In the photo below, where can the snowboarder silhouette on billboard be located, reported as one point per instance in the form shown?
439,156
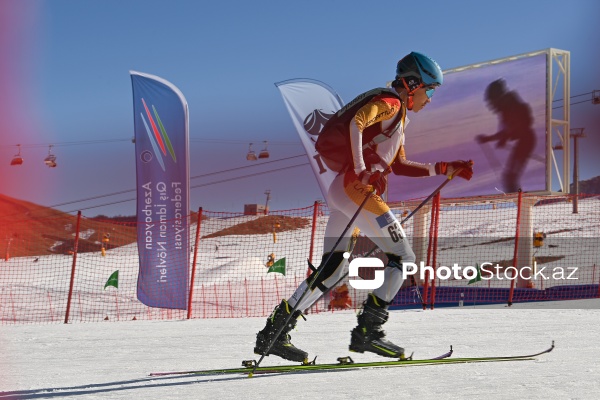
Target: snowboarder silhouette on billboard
515,120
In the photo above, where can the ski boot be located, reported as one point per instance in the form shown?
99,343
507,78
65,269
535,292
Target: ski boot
282,346
368,336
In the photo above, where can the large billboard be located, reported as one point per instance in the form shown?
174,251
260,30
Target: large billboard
493,114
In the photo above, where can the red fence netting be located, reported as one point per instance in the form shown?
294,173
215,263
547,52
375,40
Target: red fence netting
43,279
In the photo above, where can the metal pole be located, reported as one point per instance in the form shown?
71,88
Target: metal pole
516,249
268,193
313,231
73,264
575,177
576,133
196,242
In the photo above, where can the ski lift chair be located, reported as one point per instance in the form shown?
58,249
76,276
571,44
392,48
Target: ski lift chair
50,160
251,156
17,159
264,153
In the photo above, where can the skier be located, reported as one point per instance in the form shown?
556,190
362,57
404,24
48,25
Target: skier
373,125
515,125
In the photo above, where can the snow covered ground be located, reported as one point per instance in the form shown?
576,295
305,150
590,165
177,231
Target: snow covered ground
108,360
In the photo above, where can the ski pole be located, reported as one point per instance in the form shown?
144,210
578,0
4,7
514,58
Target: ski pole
491,157
314,278
318,271
436,191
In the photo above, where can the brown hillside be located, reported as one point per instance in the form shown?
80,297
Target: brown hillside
28,229
263,225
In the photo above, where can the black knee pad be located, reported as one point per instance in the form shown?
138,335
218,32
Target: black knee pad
327,270
394,261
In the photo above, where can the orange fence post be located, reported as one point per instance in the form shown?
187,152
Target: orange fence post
436,209
75,244
197,240
512,282
598,295
7,255
429,254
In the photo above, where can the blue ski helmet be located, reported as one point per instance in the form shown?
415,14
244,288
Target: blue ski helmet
416,69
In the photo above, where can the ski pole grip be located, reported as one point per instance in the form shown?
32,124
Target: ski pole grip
458,170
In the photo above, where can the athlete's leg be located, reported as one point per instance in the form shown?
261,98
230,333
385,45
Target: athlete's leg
378,223
334,269
309,291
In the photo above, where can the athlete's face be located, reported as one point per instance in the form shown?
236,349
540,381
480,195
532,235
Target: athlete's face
420,99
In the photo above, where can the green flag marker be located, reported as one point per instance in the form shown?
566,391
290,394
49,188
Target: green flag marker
478,277
113,280
278,266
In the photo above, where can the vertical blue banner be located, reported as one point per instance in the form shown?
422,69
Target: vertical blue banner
162,175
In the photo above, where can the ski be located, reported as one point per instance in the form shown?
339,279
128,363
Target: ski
346,363
248,365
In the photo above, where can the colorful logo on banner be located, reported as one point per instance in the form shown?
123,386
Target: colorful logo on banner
157,139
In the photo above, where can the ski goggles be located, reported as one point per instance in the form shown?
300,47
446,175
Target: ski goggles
429,90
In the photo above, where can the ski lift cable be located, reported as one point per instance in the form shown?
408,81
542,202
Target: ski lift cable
193,177
192,187
577,95
579,102
196,186
103,141
61,144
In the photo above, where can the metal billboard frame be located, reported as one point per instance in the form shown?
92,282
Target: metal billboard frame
558,82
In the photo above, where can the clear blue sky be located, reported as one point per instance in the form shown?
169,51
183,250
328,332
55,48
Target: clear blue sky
66,64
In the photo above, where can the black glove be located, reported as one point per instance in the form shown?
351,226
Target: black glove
461,168
376,179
